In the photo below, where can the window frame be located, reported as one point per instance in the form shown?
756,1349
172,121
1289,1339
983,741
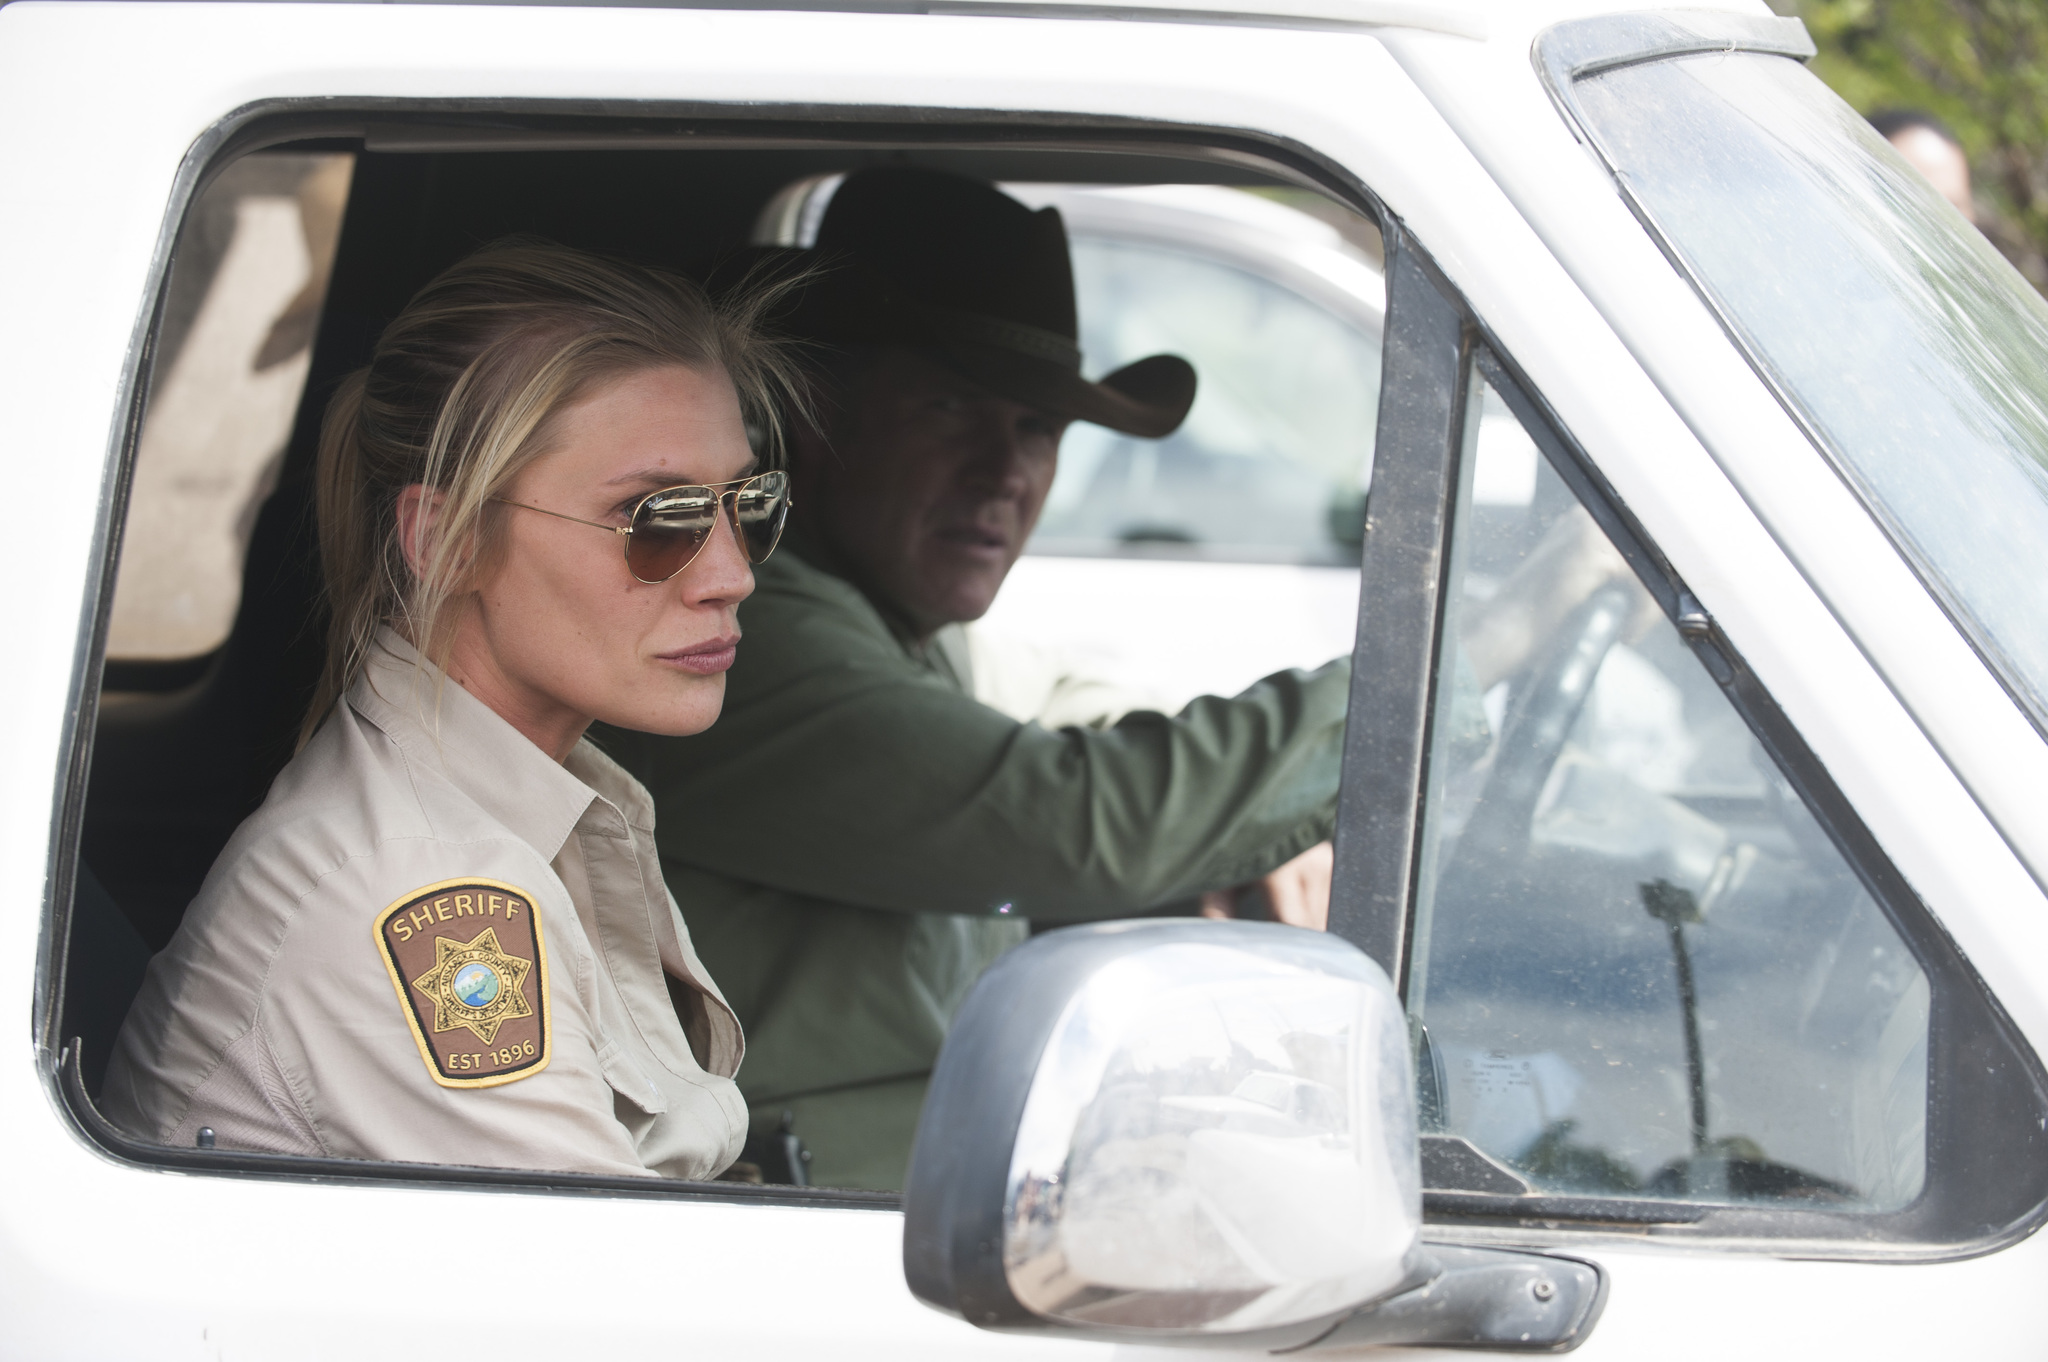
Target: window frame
376,124
1987,1090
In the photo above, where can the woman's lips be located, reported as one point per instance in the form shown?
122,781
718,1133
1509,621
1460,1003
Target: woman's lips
705,659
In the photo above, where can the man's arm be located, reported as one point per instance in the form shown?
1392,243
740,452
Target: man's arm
844,770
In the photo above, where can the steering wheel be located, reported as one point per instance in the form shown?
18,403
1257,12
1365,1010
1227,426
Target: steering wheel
1540,717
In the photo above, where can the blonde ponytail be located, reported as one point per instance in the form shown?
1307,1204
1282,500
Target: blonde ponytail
344,537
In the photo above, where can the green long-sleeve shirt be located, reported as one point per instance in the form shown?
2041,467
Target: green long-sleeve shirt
857,838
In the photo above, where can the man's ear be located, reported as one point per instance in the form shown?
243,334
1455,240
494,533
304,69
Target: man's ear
819,436
419,516
810,452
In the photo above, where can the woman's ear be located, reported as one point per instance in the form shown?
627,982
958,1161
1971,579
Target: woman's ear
419,517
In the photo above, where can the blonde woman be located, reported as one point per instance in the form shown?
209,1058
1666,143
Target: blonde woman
445,937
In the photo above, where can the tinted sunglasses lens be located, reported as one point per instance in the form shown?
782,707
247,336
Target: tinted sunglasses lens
668,529
759,508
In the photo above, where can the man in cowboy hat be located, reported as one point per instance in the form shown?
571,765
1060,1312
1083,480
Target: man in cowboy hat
857,838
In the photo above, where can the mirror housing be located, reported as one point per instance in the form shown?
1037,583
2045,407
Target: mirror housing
1170,1129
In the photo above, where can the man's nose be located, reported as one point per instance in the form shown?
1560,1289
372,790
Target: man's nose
999,463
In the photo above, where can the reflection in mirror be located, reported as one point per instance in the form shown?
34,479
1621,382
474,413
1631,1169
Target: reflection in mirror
1641,967
1217,1139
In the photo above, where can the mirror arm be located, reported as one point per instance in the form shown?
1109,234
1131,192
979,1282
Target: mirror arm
1497,1299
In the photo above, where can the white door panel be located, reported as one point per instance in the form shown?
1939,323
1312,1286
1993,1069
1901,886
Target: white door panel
105,1261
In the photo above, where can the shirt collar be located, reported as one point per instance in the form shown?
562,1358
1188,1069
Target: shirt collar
442,726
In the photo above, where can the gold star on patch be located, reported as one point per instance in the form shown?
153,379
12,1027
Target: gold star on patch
475,984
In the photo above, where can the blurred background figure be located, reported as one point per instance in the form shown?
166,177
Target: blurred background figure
1930,148
1982,66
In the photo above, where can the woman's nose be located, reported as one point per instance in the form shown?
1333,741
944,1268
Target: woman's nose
721,573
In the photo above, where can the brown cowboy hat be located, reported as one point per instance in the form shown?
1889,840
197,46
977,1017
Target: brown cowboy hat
955,267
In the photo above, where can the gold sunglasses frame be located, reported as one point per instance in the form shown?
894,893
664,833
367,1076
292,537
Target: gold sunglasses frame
728,494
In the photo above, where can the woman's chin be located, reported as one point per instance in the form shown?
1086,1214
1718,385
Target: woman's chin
678,710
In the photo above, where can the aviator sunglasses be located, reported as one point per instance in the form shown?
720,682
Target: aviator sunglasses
670,527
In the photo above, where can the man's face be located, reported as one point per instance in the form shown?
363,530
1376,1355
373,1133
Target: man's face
931,487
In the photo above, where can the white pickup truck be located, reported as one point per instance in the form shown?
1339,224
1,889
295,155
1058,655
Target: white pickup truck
1686,459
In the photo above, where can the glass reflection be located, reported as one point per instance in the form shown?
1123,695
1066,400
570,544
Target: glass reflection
1640,966
1917,353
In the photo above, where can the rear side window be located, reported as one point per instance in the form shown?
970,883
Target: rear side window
240,310
243,304
1253,510
1280,313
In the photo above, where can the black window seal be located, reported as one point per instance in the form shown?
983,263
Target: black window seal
1583,48
1987,1149
1424,369
337,124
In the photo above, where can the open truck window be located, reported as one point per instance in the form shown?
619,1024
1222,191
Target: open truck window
291,261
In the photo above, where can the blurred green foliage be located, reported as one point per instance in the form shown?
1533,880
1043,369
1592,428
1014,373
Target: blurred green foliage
1981,66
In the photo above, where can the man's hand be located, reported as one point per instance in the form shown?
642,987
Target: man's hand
1574,559
1297,893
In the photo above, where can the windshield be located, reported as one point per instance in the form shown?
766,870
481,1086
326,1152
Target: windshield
1913,351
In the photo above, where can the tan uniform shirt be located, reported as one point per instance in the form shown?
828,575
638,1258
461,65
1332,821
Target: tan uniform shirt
433,943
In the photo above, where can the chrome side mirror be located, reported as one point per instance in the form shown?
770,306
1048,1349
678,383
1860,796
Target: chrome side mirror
1205,1132
1169,1127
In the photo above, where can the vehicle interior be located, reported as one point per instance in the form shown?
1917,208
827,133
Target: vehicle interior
301,253
1593,781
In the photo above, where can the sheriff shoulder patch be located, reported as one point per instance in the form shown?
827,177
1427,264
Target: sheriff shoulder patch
467,959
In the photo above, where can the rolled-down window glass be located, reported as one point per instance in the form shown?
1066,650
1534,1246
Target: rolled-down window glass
1916,355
